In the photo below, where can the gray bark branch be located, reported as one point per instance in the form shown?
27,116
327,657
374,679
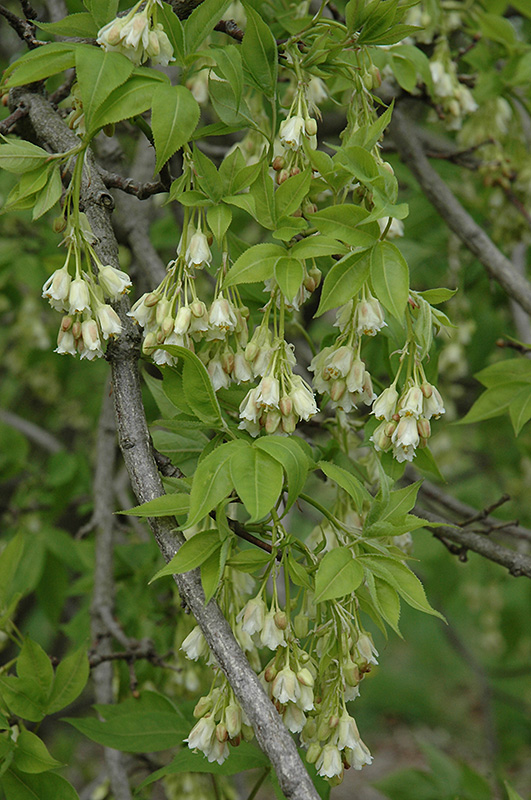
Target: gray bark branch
46,127
456,217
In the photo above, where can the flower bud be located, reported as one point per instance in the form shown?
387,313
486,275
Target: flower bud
311,126
203,705
300,625
221,732
151,299
289,423
76,329
285,405
233,720
270,673
424,428
278,163
313,753
272,421
281,620
66,323
305,677
59,224
337,390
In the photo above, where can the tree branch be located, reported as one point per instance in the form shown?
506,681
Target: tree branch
24,28
134,439
450,209
103,595
37,435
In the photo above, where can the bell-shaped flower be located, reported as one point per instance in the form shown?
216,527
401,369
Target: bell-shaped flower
66,343
57,287
271,635
198,252
108,320
268,392
252,615
222,318
433,405
78,296
302,399
385,406
369,316
286,687
291,132
329,763
114,282
195,646
294,718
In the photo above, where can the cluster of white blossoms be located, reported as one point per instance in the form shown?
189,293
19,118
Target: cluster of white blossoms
406,417
222,721
80,295
454,97
138,36
339,370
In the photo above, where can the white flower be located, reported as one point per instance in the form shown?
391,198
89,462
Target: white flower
316,92
286,686
109,36
395,230
406,433
411,403
249,408
114,282
108,320
233,719
380,438
343,315
291,131
57,287
136,31
385,406
218,751
195,646
221,317
142,313
433,405
78,296
271,636
329,763
253,615
66,343
302,398
202,734
198,252
242,369
90,335
369,317
306,699
338,363
360,755
268,392
347,732
218,376
442,80
183,319
294,718
159,49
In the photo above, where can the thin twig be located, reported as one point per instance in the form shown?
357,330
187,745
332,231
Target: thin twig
37,435
141,190
7,125
229,27
450,209
24,28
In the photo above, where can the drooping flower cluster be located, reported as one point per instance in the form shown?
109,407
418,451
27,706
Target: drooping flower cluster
339,370
454,97
138,36
80,295
406,418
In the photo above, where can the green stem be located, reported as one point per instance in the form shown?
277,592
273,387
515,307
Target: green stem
259,782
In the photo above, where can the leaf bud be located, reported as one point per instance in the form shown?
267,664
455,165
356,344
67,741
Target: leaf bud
281,620
108,130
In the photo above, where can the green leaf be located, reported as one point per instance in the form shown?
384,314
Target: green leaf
436,296
103,11
167,505
338,574
293,459
201,21
388,603
81,25
50,194
219,219
255,265
126,101
31,754
191,554
520,409
174,117
259,51
514,370
20,157
71,677
9,561
317,245
390,278
136,732
492,403
291,193
229,67
212,481
98,74
263,193
44,786
197,386
245,756
250,560
352,486
344,281
512,794
212,571
341,222
206,175
40,63
174,30
34,664
230,110
257,478
289,274
298,573
403,580
23,697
